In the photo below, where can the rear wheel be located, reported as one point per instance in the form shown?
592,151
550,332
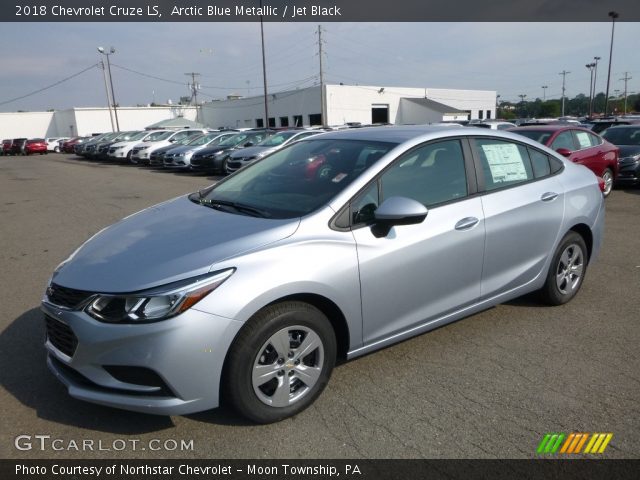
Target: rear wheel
280,362
607,176
567,270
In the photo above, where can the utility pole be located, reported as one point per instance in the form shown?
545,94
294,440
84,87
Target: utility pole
194,90
625,80
323,113
564,76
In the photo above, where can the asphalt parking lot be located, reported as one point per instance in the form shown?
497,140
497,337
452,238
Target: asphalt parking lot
489,386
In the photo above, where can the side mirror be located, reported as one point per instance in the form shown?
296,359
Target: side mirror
565,152
248,144
397,211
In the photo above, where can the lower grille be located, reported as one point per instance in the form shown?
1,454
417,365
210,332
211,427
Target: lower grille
61,336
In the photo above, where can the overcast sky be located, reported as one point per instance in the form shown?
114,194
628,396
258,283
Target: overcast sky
510,58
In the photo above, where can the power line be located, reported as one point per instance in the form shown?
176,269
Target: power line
50,86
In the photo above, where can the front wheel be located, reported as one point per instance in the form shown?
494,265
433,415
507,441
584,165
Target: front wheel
567,270
607,176
280,362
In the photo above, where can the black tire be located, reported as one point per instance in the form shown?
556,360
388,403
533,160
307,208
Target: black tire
607,176
56,149
567,270
256,347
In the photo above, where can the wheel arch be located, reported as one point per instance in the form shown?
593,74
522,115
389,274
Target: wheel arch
585,232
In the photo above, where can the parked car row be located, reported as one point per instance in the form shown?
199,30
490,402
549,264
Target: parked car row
202,150
24,146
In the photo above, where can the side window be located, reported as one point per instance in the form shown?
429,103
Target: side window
503,163
364,205
595,139
583,139
431,174
564,140
539,163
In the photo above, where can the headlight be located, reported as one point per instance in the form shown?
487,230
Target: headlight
156,304
119,148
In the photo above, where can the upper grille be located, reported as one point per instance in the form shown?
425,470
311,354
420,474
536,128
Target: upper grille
66,297
61,336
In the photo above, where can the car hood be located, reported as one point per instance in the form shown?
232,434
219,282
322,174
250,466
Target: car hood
165,243
187,148
248,151
628,150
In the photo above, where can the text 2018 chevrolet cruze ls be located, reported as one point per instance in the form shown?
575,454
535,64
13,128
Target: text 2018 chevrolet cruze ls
332,247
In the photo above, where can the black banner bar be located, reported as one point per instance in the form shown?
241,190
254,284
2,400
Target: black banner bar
314,469
319,11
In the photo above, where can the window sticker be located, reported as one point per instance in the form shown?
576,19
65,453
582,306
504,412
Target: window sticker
583,139
505,162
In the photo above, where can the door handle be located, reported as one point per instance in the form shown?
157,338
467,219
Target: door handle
466,223
547,197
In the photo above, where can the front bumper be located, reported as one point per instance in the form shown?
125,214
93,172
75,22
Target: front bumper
186,353
628,174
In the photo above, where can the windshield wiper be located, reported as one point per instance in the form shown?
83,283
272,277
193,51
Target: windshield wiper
238,207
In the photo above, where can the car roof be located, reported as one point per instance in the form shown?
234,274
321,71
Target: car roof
393,134
619,127
554,127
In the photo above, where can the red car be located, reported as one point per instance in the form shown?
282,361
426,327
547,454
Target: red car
6,147
36,145
68,145
580,146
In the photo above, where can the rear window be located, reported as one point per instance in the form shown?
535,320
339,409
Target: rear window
622,136
540,136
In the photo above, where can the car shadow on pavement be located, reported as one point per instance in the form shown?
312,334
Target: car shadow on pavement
632,191
24,374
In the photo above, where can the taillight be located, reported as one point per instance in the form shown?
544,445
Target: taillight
601,184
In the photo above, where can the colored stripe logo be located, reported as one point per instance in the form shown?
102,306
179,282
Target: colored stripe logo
574,443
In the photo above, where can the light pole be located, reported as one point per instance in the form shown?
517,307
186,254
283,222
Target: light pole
544,92
590,66
522,97
264,72
106,88
564,74
613,16
113,96
595,80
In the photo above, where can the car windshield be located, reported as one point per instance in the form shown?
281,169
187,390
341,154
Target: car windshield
243,137
277,139
202,139
139,135
540,136
622,136
157,136
296,180
124,136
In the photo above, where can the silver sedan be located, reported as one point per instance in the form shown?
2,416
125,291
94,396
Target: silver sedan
331,248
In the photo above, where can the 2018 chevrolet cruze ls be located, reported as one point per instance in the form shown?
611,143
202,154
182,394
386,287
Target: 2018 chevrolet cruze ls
330,248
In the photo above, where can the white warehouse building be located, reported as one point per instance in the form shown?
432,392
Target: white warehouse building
352,103
343,104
